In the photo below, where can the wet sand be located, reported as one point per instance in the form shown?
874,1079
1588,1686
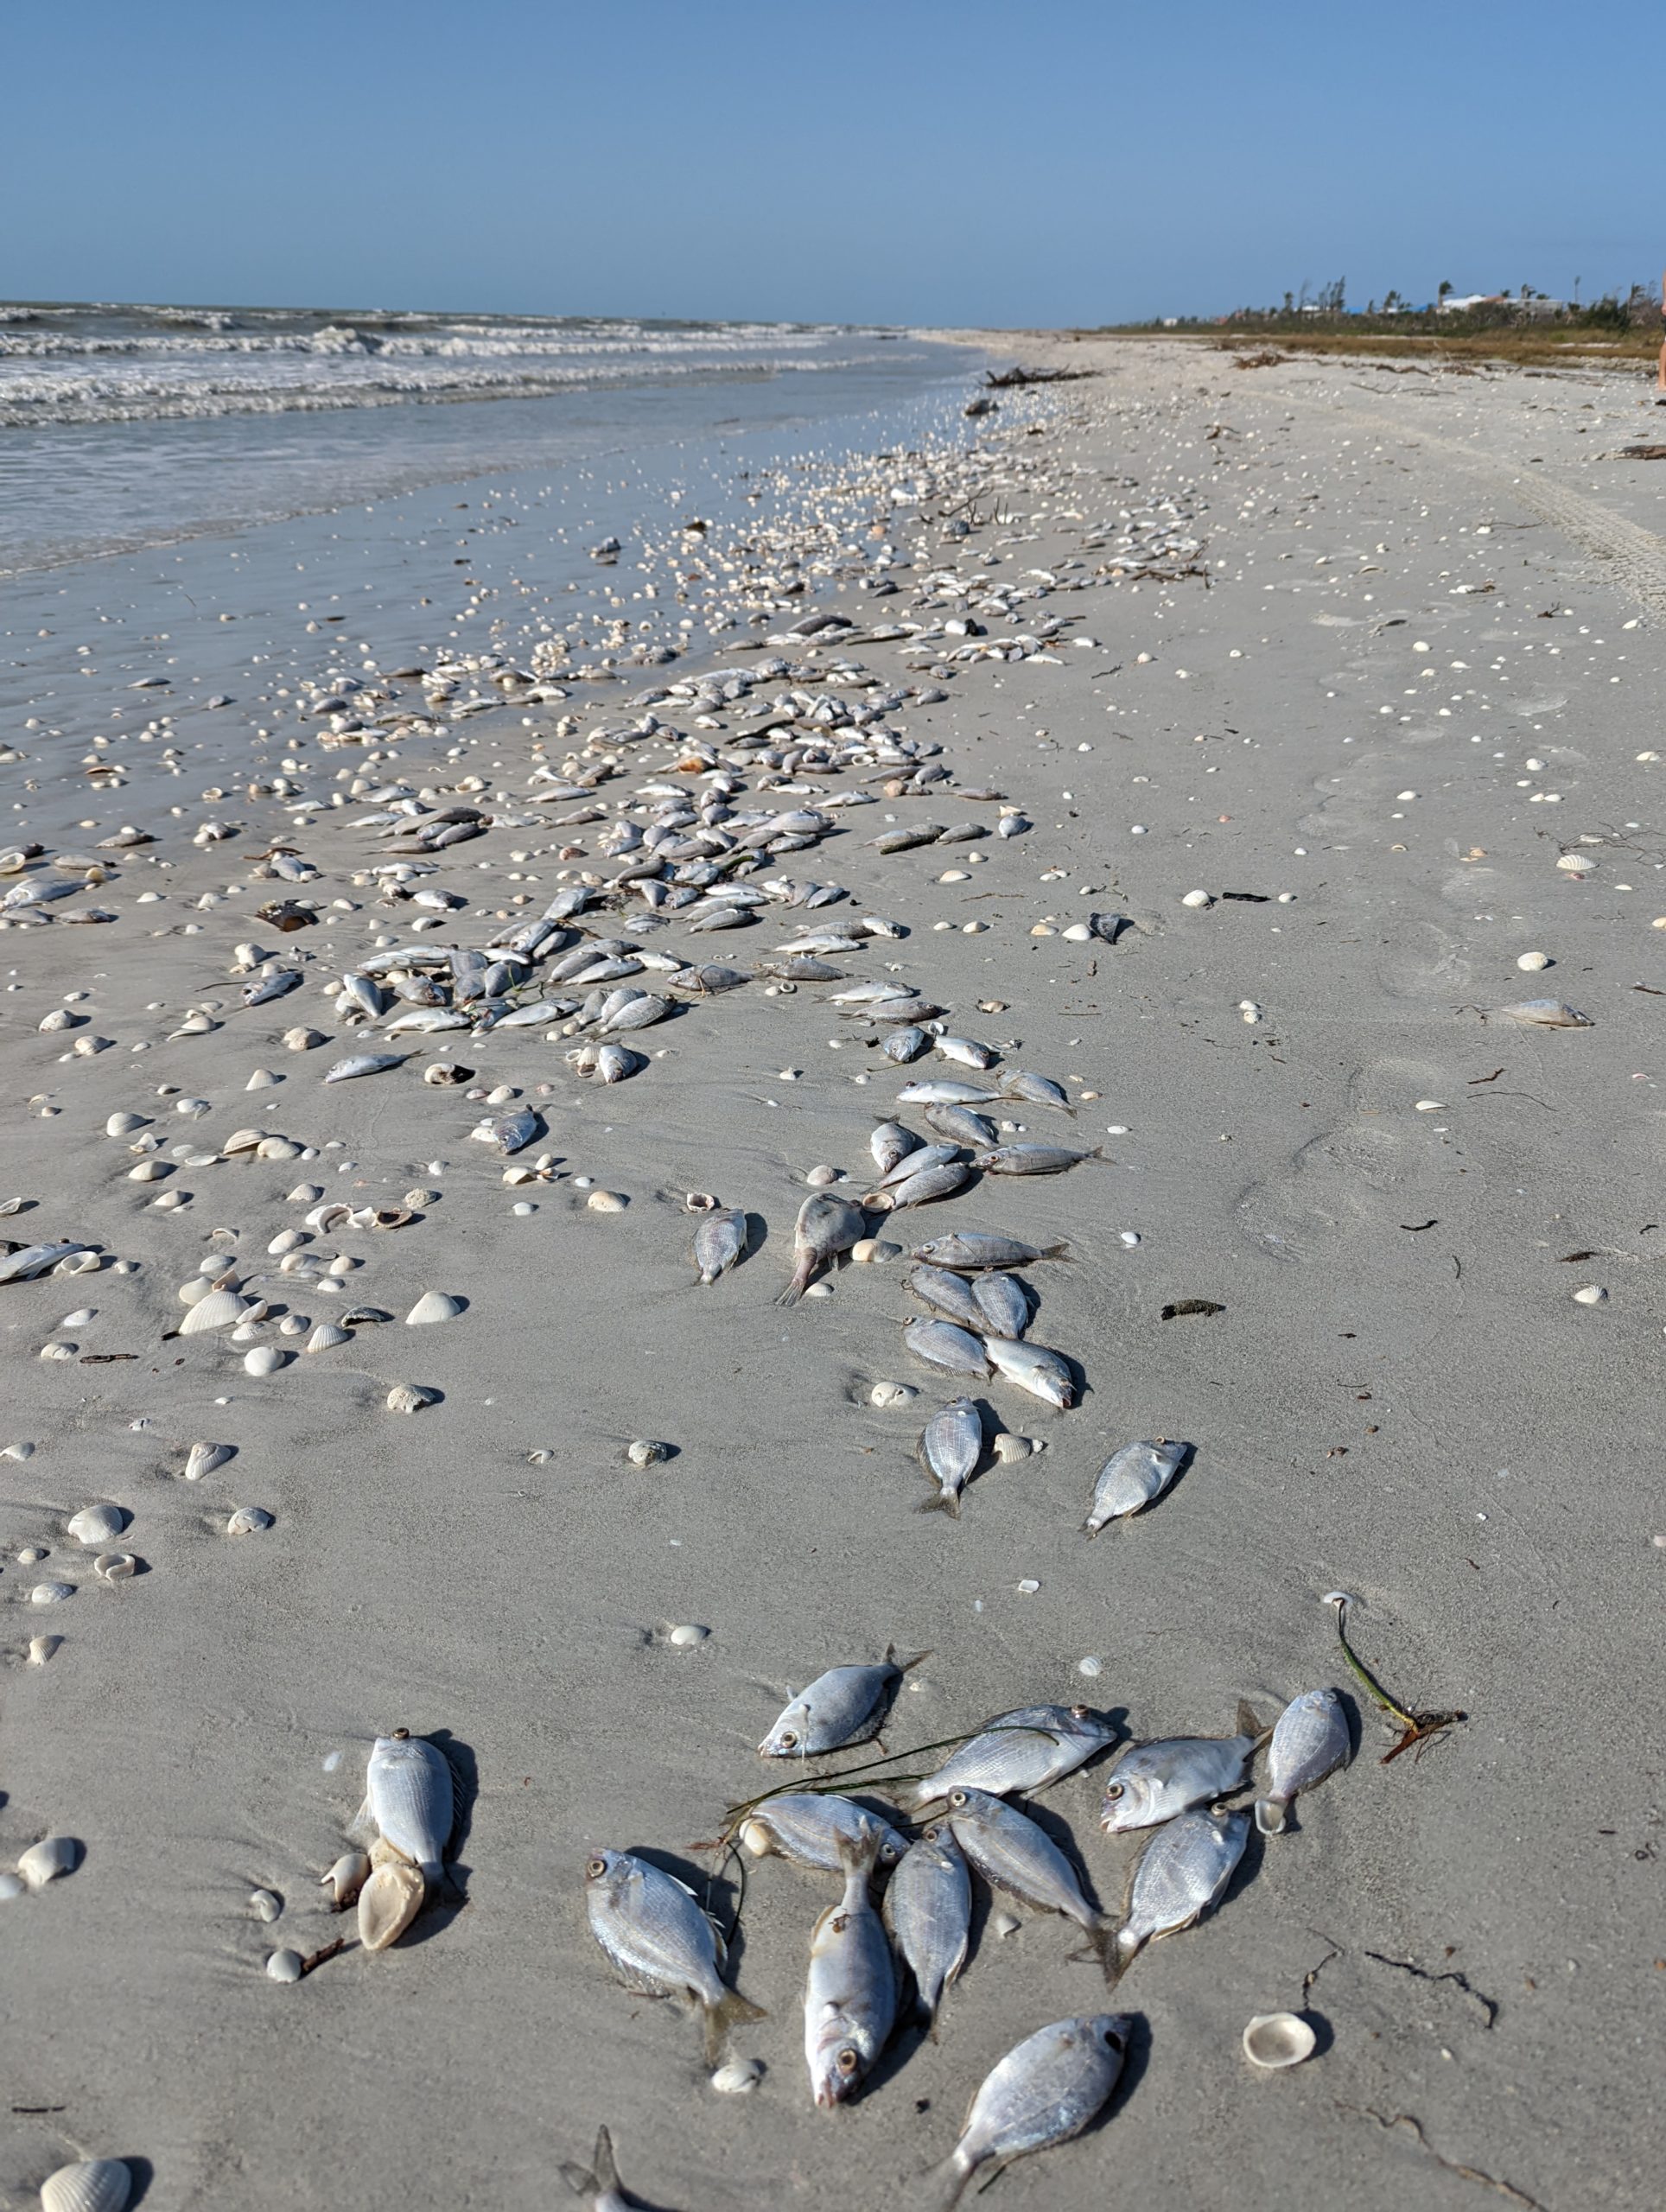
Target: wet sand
1422,666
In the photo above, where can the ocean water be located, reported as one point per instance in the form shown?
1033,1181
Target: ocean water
123,428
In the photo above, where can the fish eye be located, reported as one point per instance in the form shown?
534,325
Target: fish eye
931,1835
957,1796
847,2060
789,1737
595,1868
1080,1711
1113,1790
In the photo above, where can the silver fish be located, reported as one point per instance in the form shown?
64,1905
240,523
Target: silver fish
940,1343
410,1795
1044,2092
1183,1870
915,1162
1035,1090
945,1090
599,2181
1153,1783
973,1250
415,990
950,1295
1310,1740
901,1014
364,1063
658,1940
362,992
950,1445
270,986
850,1995
905,1044
1009,1849
1033,1158
825,1227
1025,1750
928,1909
806,1825
844,1705
615,1062
960,1124
1545,1013
511,1132
940,1180
1132,1478
891,1142
1033,1368
641,1012
1002,1305
719,1242
965,1051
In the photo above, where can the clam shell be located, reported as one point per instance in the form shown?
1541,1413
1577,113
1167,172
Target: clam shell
248,1521
388,1903
1273,2040
202,1459
96,1524
433,1305
45,1861
51,1593
90,2185
410,1398
346,1878
265,1359
285,1965
221,1309
325,1336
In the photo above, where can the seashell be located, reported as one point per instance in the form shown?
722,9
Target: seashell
1533,961
202,1459
123,1125
740,2076
607,1201
1007,1449
96,1524
686,1636
278,1148
51,1593
1591,1294
287,1240
327,1216
819,1178
195,1024
265,1359
149,1170
388,1903
643,1453
44,1862
304,1040
248,1521
115,1566
346,1878
325,1336
1192,899
18,1452
262,1079
357,1315
1272,2040
443,1072
41,1649
241,1140
873,1251
265,1906
32,1554
699,1202
410,1398
221,1309
892,1393
414,1198
285,1965
433,1305
90,2185
306,1194
1545,1013
11,1885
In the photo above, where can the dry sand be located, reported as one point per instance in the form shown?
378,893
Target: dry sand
1429,607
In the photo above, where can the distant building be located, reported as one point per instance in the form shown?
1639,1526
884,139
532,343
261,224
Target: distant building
1461,304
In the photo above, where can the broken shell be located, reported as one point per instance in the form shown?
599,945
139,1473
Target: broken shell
1272,2040
96,1524
11,1885
388,1903
410,1398
445,1071
248,1521
115,1566
265,1906
45,1861
643,1453
90,2185
285,1965
735,2079
433,1305
699,1202
346,1878
202,1459
265,1359
892,1393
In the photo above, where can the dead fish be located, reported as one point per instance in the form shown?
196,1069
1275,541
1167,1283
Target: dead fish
1310,1740
708,979
844,1705
950,1445
1019,1751
940,1343
270,986
850,1995
961,1126
414,989
908,1012
802,969
1044,2092
723,917
905,1044
808,1826
1035,1090
916,1159
1183,1870
719,1242
640,1011
362,992
945,1090
947,1294
1002,1304
974,1249
966,1051
891,1142
825,1227
1033,1158
928,1909
410,1796
1153,1782
615,1062
659,1940
902,841
1545,1013
599,2181
1033,1368
511,1132
1132,1478
1013,1854
359,1064
920,1188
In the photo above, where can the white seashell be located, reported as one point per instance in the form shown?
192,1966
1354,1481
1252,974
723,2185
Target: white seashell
1272,2040
819,1178
686,1636
1197,898
388,1903
278,1148
265,1906
248,1521
285,1965
44,1862
1005,1923
60,1017
1591,1294
1078,933
51,1593
115,1566
643,1453
41,1649
1533,962
202,1459
740,2076
1576,863
17,1451
90,2185
240,1141
410,1398
892,1393
1430,1106
96,1524
522,1208
607,1201
433,1305
325,1336
1007,1449
123,1125
302,1040
149,1170
79,1319
221,1309
1089,1666
58,1350
346,1878
265,1359
32,1554
873,1251
262,1079
11,1885
287,1240
306,1194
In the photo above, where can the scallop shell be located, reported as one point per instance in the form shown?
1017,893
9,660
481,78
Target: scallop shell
346,1878
1273,2040
41,1649
433,1305
90,2185
388,1903
45,1861
325,1336
221,1309
202,1459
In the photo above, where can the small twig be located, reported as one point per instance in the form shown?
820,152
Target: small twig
1417,1726
317,1958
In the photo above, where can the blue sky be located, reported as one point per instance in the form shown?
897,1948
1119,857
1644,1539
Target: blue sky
915,161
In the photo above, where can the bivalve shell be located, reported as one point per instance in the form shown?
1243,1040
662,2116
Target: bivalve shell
433,1305
44,1862
202,1459
248,1521
388,1903
264,1359
325,1336
90,2185
411,1398
346,1878
221,1309
96,1524
1273,2040
115,1566
51,1593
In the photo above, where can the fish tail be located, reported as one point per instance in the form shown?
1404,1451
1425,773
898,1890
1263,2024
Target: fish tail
1270,1814
1090,1528
605,2171
1060,1251
943,2187
795,1289
1251,1724
730,2011
943,1501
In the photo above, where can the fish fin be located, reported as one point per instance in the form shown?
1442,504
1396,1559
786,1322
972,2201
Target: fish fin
793,1292
942,1501
942,2189
606,2171
907,1666
1251,1724
1270,1814
1060,1251
579,2179
730,2011
1091,1529
1114,1947
363,1822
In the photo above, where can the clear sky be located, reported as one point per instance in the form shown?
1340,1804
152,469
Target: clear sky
900,161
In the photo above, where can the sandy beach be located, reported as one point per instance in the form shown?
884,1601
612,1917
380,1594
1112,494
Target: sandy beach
1289,711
